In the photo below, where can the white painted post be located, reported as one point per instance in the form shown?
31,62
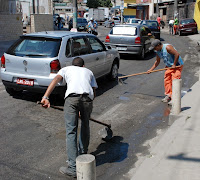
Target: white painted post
176,96
86,167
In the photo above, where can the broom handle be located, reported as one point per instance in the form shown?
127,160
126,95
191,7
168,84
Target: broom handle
121,77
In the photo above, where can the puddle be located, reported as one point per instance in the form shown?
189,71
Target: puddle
124,98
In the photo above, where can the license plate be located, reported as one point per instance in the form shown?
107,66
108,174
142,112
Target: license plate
121,48
81,27
27,82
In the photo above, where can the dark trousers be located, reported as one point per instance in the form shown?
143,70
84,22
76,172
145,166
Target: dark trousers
72,107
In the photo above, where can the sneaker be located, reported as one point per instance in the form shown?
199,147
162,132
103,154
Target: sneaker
66,171
166,99
170,103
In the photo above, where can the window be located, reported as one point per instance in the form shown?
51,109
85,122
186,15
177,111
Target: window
68,49
80,47
95,45
35,46
164,11
123,30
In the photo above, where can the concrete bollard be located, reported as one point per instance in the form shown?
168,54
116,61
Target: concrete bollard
176,96
86,167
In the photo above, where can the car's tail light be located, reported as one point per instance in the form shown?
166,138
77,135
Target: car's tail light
55,66
137,40
107,39
3,61
158,27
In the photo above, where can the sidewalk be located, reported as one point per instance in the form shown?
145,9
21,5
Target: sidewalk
177,154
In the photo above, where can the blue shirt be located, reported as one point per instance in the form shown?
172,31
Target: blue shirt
168,58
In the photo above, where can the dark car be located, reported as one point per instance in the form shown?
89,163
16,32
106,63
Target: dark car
153,26
81,24
187,26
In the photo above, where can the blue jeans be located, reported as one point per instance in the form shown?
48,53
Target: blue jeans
59,26
72,107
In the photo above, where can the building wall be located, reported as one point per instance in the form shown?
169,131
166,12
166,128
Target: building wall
197,13
41,22
4,7
11,30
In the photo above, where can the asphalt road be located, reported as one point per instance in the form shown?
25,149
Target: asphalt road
32,139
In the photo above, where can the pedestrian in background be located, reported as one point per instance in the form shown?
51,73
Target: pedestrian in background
59,22
158,20
171,26
171,58
81,85
175,25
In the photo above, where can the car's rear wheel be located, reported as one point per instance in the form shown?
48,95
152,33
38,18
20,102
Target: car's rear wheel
142,54
180,33
12,91
114,72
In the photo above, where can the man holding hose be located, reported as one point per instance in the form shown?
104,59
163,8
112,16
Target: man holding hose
171,59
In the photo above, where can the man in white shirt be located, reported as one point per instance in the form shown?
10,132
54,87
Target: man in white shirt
171,24
81,85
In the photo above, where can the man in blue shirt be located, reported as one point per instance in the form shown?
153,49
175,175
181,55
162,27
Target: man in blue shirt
171,59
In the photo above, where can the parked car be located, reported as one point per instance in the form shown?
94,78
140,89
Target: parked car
81,24
153,26
187,26
32,62
116,20
133,20
130,39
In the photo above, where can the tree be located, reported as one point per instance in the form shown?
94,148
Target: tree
105,3
93,3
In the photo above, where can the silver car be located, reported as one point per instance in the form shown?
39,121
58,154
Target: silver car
130,39
32,62
133,20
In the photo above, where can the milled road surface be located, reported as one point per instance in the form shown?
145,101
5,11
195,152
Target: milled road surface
32,139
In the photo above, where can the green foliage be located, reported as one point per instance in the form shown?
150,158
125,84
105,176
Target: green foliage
93,3
99,3
105,3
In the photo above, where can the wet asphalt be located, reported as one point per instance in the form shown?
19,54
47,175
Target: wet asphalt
32,139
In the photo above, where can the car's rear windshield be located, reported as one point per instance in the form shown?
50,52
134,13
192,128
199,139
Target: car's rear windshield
130,31
151,23
81,20
187,21
35,47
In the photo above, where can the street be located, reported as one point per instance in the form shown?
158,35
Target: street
33,138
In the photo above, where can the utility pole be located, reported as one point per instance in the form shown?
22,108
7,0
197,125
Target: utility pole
157,9
175,8
74,13
38,7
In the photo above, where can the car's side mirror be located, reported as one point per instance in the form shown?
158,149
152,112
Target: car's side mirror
108,47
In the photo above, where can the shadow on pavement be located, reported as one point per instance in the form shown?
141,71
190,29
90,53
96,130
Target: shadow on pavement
113,151
182,157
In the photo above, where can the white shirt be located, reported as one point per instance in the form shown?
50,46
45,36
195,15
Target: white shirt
171,21
79,80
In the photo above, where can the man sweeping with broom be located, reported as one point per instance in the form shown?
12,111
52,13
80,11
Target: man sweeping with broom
171,59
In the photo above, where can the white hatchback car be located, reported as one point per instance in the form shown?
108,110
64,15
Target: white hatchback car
32,62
